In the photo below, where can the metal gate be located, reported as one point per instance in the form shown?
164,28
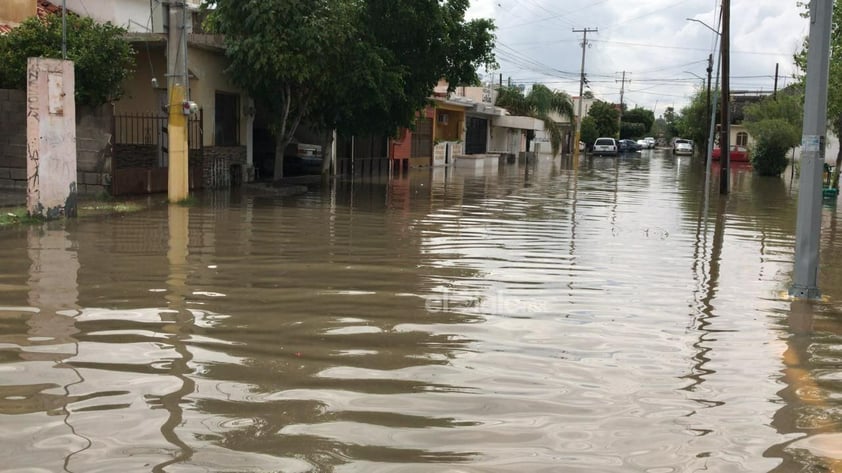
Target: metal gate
476,136
422,139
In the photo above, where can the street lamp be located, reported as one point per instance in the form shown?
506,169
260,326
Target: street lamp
697,76
705,25
709,154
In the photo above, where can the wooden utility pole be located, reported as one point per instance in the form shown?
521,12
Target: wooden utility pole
622,93
578,138
777,71
707,103
178,88
724,140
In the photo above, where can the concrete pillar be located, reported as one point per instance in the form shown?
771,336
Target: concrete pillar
50,138
249,113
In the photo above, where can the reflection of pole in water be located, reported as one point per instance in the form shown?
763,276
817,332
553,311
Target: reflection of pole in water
181,322
707,286
803,390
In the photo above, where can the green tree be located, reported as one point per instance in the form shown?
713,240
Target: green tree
787,105
632,130
694,121
605,116
589,131
359,66
541,103
776,124
102,57
672,122
640,115
774,137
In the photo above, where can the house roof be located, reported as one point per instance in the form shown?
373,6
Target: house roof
43,9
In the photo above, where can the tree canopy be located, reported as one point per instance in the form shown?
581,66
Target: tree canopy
358,66
102,57
541,103
605,116
638,121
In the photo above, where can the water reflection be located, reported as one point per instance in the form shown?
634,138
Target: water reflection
540,316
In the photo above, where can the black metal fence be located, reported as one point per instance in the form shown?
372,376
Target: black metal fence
151,129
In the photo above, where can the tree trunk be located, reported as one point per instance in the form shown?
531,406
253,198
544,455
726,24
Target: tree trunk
280,148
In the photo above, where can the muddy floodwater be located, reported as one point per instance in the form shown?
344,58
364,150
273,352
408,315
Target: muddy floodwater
490,317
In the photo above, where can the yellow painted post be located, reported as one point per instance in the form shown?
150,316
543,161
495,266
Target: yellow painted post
177,182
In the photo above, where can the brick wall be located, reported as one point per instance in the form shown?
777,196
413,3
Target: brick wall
93,144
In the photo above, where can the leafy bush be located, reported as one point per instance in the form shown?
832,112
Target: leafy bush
774,138
102,57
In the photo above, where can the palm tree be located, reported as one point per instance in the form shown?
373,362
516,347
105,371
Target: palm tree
540,103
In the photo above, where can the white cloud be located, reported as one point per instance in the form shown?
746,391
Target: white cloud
649,39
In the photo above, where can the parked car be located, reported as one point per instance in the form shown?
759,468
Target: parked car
628,146
650,142
302,158
642,144
738,154
581,146
603,146
682,146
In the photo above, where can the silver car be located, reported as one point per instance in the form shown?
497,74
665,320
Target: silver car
603,146
682,146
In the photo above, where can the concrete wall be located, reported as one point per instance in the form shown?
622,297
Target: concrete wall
140,96
51,189
93,144
134,15
206,68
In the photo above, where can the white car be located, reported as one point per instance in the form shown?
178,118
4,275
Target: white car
642,144
650,142
604,146
682,146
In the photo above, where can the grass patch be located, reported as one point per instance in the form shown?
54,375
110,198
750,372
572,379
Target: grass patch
11,216
189,201
17,216
108,207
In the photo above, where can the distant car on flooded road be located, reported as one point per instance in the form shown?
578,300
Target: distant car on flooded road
603,146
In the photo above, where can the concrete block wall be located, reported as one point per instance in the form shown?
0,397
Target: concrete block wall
12,131
217,166
93,145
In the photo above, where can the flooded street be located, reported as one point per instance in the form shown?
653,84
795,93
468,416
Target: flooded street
487,318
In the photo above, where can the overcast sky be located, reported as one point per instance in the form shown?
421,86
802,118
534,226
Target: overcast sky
649,39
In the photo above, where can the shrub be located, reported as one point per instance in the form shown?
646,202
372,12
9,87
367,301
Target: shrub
774,138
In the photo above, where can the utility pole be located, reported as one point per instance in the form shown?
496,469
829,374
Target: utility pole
578,138
809,223
178,87
64,29
707,103
622,92
724,140
777,70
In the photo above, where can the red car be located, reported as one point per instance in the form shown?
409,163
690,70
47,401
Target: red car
738,154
